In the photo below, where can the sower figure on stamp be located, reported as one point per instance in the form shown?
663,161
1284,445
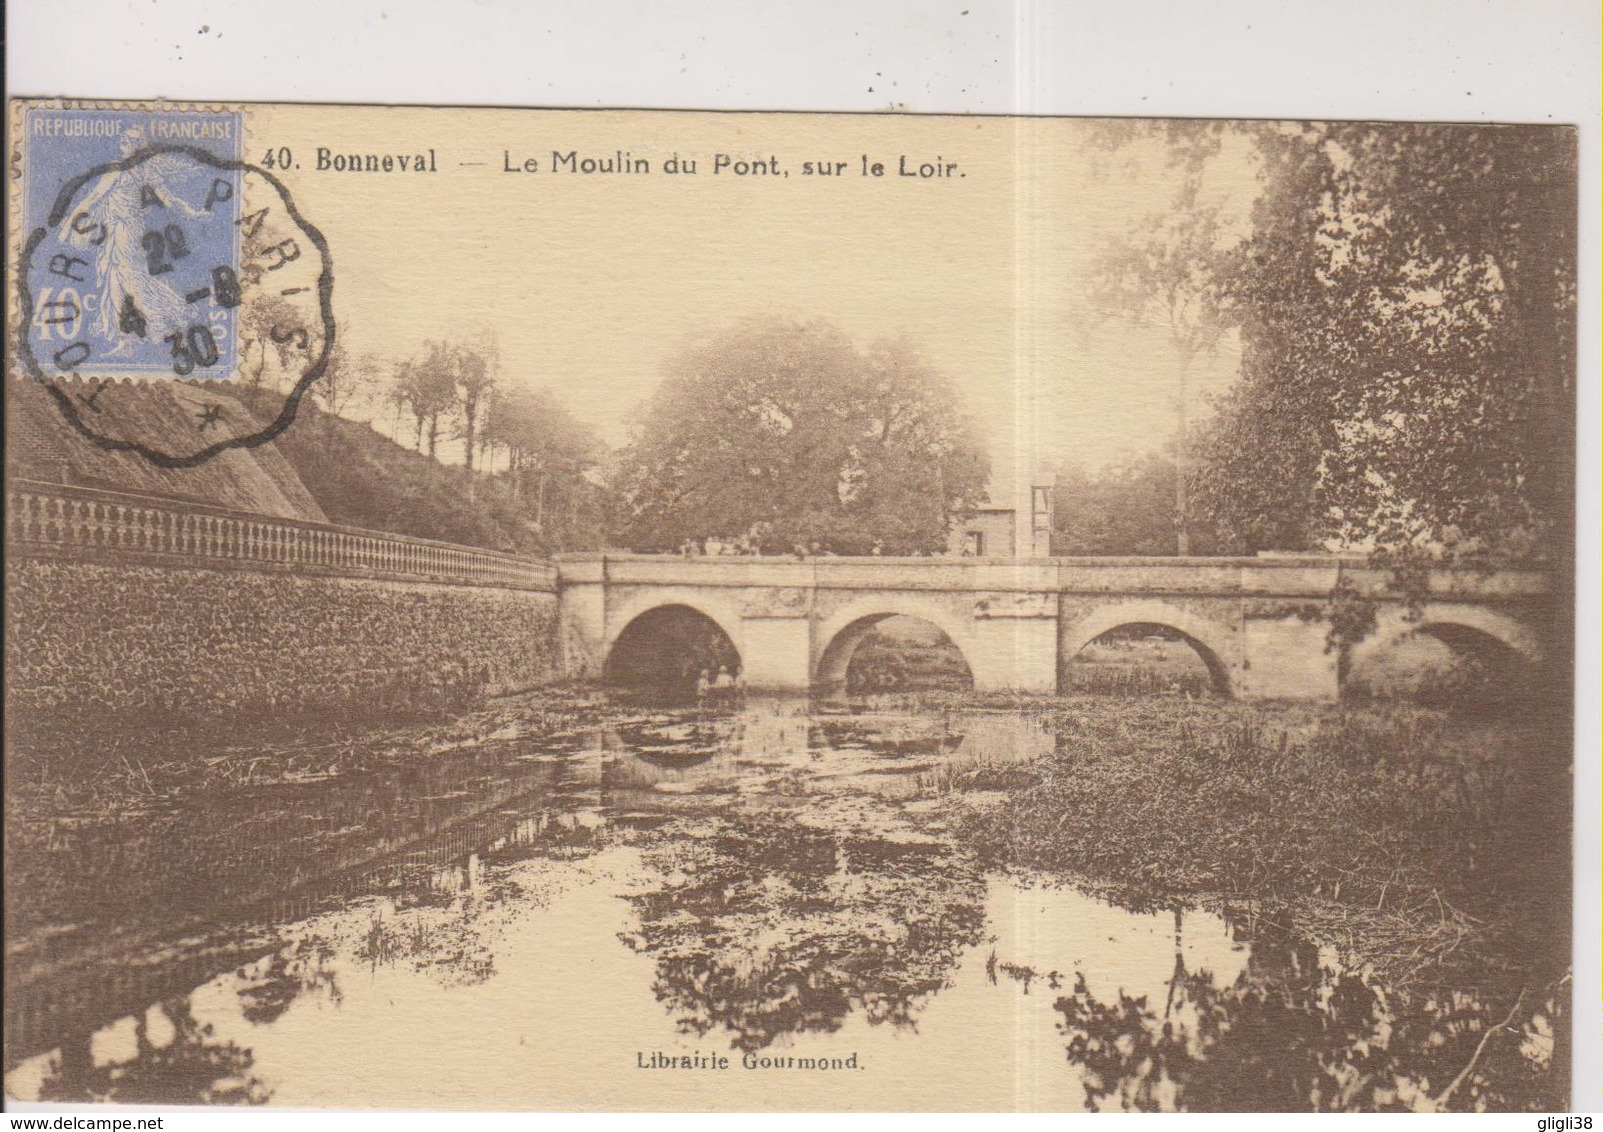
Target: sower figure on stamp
115,220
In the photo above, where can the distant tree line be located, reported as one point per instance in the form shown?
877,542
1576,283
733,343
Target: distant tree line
516,438
773,437
530,470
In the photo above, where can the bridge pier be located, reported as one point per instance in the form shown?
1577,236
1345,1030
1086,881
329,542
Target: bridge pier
778,653
1288,658
584,631
1015,655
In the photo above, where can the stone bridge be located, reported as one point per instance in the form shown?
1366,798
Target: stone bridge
110,568
1260,624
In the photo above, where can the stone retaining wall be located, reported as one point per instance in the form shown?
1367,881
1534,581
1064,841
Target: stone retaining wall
119,637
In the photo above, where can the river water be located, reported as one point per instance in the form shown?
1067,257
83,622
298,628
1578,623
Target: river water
560,917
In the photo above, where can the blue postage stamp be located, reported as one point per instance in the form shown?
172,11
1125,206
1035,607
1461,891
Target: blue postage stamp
132,223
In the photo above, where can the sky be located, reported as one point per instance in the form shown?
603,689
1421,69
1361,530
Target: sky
589,283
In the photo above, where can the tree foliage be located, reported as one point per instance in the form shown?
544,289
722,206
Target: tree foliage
347,378
1124,508
1164,275
550,457
426,388
787,435
1406,303
265,332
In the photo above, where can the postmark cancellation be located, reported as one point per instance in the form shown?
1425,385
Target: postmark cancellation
146,249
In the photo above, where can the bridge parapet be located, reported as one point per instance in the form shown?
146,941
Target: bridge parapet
1469,582
88,523
1290,576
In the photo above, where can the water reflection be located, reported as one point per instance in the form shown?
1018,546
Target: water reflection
763,879
774,922
163,1056
301,968
1290,1033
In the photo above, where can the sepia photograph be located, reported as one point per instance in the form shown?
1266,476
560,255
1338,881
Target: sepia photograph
680,611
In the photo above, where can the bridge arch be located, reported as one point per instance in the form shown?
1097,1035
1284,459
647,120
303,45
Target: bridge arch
839,635
641,608
696,600
1455,624
1486,656
1216,644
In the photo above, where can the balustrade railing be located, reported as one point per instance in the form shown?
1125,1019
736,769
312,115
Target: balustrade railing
43,517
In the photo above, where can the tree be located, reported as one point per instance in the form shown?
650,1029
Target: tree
549,452
473,376
427,387
1164,275
1406,303
785,434
397,396
1258,460
266,328
1124,508
345,377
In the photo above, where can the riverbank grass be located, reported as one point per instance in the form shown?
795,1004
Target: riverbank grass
1414,841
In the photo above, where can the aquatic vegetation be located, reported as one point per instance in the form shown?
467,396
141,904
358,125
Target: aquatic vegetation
1398,835
784,922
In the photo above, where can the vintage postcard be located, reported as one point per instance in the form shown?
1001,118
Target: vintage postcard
574,610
